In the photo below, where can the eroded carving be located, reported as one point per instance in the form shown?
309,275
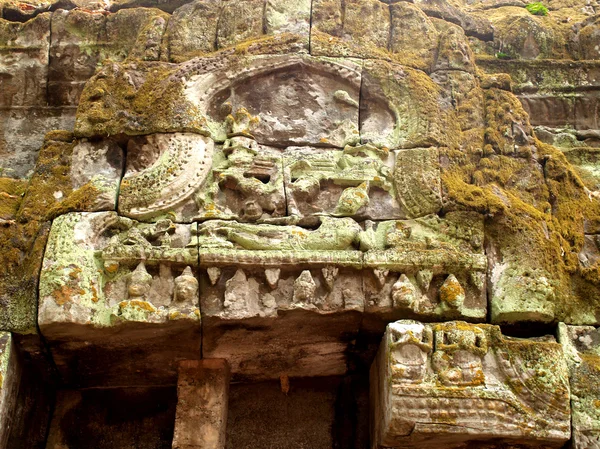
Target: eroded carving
488,387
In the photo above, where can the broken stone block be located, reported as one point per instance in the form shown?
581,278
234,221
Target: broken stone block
111,287
280,279
183,174
24,61
357,182
279,100
72,175
202,403
10,379
430,268
451,384
581,345
401,108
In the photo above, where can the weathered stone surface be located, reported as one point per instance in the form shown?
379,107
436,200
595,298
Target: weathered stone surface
22,132
492,389
428,268
24,61
82,39
461,92
454,52
410,116
144,295
202,96
474,25
351,28
240,20
581,345
409,21
192,30
70,175
202,402
10,379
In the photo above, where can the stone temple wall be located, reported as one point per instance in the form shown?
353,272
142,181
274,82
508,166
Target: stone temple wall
352,224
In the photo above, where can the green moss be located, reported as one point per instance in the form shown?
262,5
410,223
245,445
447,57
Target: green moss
11,195
537,9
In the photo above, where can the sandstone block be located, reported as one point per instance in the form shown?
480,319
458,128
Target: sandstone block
492,389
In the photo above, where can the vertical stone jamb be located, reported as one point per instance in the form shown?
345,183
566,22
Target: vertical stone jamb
202,398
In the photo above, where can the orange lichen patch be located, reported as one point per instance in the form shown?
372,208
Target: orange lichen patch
452,293
94,294
64,294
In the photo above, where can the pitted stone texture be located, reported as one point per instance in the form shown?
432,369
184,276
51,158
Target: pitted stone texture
430,267
282,99
10,379
402,108
581,345
24,62
144,295
82,40
492,389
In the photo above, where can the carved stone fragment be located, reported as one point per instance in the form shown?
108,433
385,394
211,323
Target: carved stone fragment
107,278
453,383
356,182
427,267
581,345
